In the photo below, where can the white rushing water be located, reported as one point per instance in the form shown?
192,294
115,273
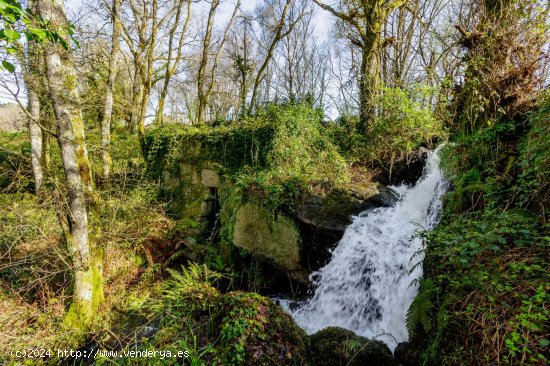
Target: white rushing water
366,287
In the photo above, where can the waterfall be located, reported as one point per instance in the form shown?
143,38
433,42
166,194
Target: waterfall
368,285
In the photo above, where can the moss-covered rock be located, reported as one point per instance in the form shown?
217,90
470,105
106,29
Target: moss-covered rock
335,346
235,328
255,178
275,238
255,331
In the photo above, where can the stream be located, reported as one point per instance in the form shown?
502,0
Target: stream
369,282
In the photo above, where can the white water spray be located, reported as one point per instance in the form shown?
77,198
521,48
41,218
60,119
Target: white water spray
366,287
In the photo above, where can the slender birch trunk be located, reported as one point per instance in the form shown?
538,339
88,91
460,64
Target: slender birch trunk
36,139
108,104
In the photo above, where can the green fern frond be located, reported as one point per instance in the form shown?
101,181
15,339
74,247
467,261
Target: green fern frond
421,309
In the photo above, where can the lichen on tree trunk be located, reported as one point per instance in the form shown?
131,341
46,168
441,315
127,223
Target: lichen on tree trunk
71,139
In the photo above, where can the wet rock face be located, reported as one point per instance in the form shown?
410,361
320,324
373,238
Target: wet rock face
333,211
322,219
299,242
335,346
407,170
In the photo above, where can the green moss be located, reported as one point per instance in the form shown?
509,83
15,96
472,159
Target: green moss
335,346
255,331
274,238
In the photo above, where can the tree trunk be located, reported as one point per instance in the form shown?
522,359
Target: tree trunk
137,92
88,289
369,82
171,67
108,104
36,139
201,93
31,75
46,119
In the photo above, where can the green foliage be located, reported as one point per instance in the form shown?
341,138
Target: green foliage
17,22
189,291
533,184
405,122
232,147
419,315
286,141
487,284
504,165
300,148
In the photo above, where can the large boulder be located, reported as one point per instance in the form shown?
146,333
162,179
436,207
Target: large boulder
335,346
255,331
273,238
333,210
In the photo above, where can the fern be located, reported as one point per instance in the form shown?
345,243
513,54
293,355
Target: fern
193,274
174,257
421,309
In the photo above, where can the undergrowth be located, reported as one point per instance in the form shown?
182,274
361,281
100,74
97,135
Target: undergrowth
234,328
484,299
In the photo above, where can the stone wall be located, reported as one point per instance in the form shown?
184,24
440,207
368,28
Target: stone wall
296,241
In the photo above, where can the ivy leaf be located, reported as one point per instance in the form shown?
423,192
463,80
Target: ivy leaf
8,66
12,36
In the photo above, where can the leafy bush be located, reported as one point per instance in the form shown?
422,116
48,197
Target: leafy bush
405,122
236,328
484,297
286,141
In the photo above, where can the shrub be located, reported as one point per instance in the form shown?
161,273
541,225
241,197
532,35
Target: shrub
484,299
405,121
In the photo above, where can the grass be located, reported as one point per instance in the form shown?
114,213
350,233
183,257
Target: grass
35,272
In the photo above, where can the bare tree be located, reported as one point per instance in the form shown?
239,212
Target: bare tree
172,61
366,19
108,104
283,25
242,59
204,86
139,31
